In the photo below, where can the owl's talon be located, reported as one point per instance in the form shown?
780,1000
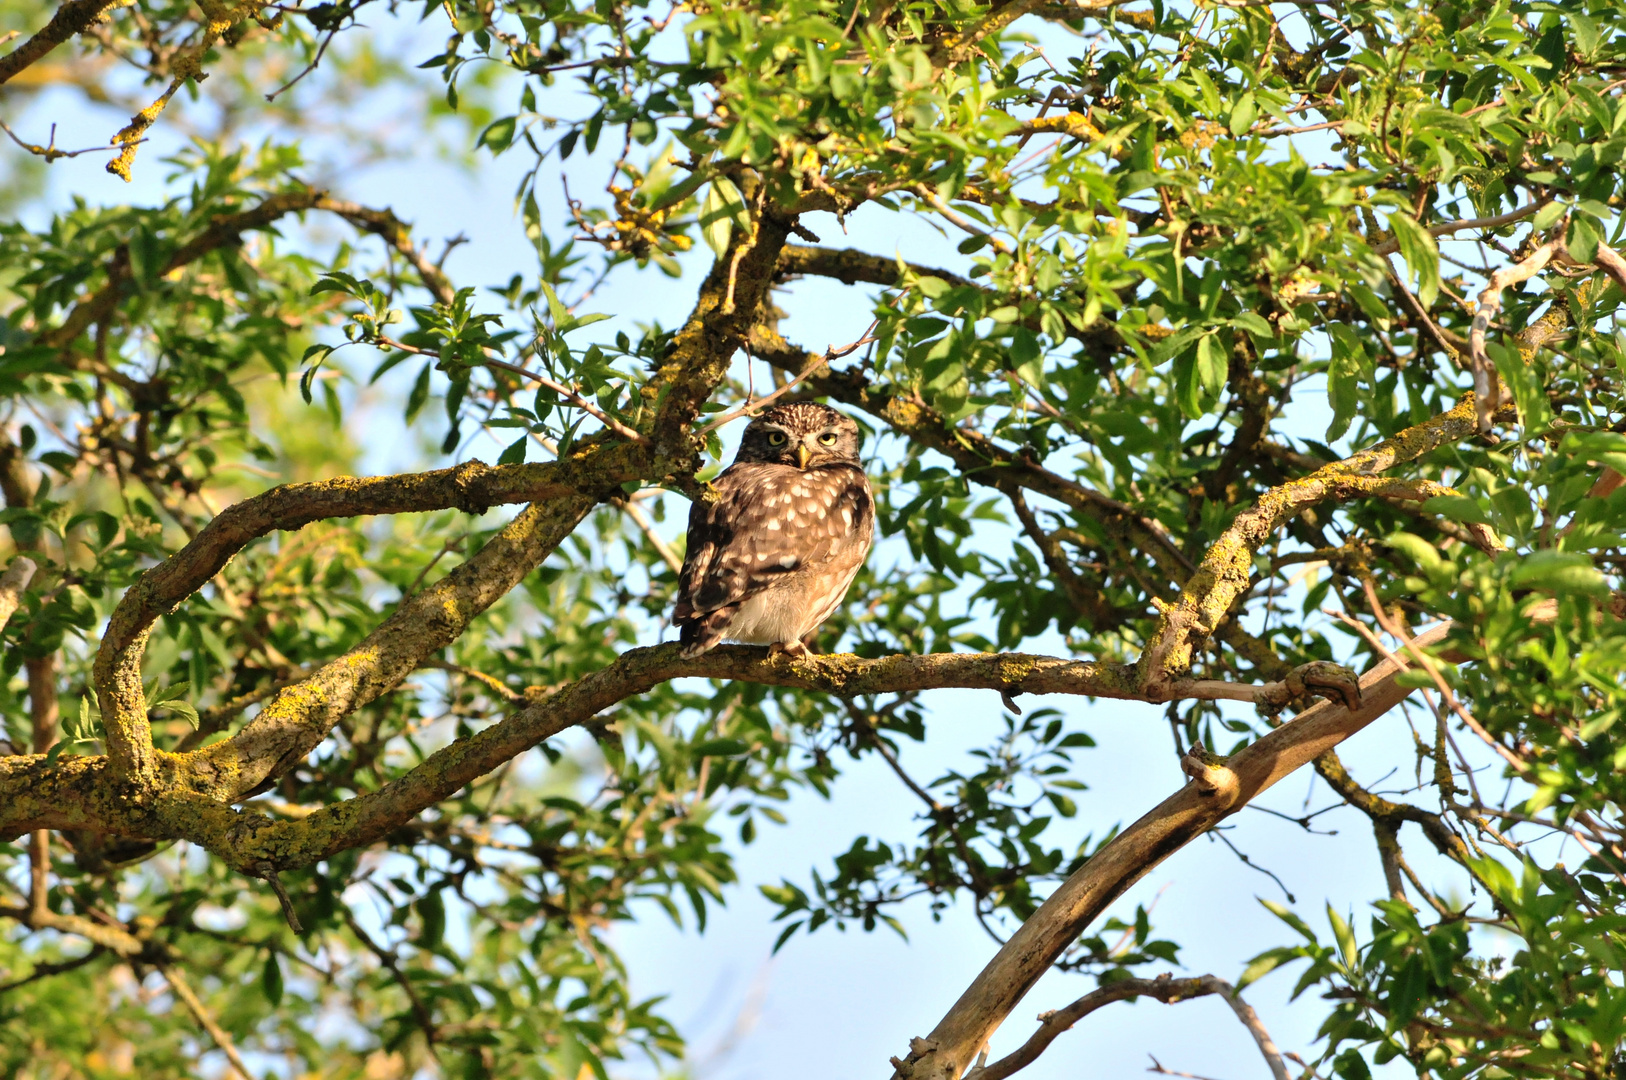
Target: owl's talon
793,649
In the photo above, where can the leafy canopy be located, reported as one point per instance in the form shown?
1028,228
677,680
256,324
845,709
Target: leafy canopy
1271,333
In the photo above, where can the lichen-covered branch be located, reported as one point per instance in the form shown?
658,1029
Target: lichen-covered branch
474,487
73,17
250,841
193,791
1225,571
731,301
299,717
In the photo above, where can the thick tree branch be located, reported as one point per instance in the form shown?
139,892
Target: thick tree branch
731,301
191,797
851,266
298,718
73,17
1487,388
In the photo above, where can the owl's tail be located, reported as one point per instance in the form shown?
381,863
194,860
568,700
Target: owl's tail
704,631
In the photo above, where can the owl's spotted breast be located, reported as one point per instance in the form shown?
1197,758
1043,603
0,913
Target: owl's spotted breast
774,555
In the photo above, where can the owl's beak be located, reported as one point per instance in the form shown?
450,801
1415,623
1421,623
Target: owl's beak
803,453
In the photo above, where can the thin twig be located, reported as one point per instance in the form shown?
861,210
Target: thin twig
178,984
1398,632
1163,988
288,913
310,67
559,388
831,353
960,220
392,964
641,519
49,151
47,970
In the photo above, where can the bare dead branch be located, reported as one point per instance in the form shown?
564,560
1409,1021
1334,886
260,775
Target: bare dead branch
49,151
1164,988
1487,388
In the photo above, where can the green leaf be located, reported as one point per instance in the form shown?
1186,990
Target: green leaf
1586,34
1211,365
514,453
1346,940
1265,963
1243,114
721,748
1349,364
1288,916
1559,571
1421,253
271,980
1548,216
1582,239
1255,325
1457,508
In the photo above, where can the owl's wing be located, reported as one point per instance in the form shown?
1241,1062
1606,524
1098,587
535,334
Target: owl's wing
770,520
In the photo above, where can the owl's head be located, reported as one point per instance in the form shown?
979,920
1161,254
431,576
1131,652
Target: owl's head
801,433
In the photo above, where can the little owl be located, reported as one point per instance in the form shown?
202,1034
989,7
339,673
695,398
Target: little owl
770,559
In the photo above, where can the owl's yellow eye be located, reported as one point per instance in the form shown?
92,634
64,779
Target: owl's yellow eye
828,438
776,438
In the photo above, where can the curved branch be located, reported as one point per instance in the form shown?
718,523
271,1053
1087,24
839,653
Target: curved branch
1164,988
191,801
851,266
295,722
1390,247
250,841
473,487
